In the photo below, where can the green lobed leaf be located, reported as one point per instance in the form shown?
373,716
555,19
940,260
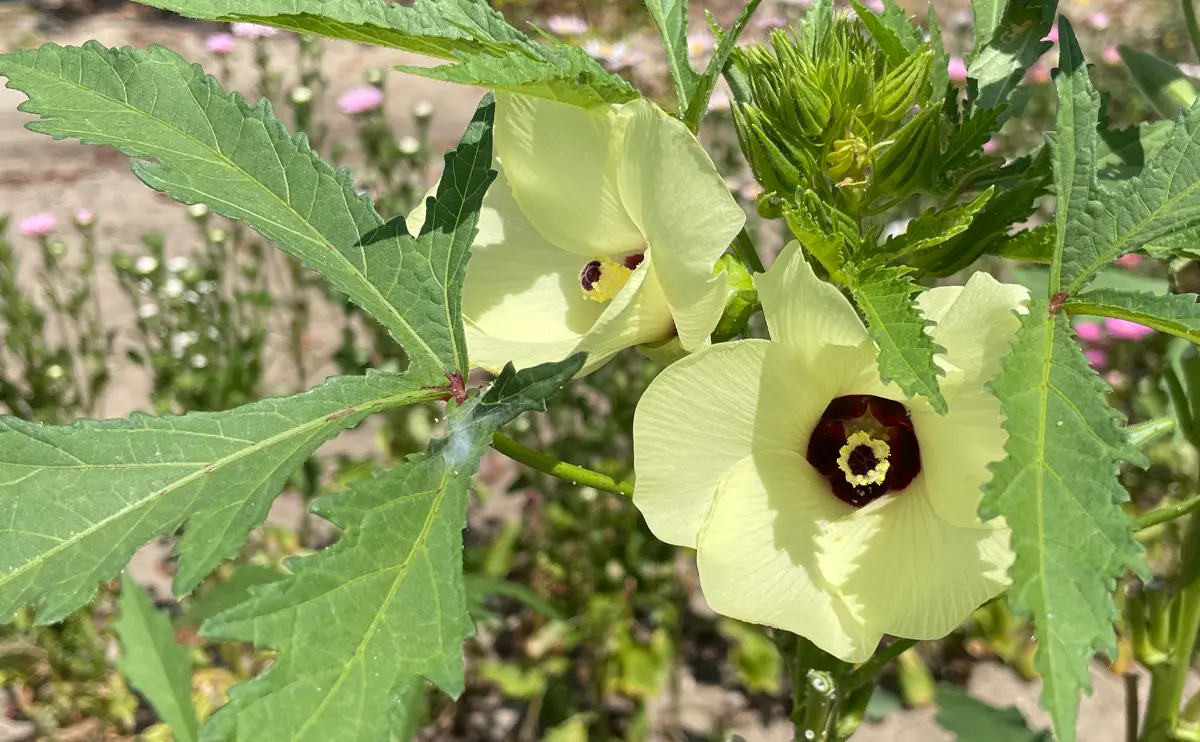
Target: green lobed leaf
998,67
1072,147
818,19
972,720
939,72
438,28
896,20
934,227
1158,210
698,106
358,624
905,349
989,230
560,73
1058,490
1033,245
964,146
77,501
885,37
155,665
1177,314
988,14
671,19
200,144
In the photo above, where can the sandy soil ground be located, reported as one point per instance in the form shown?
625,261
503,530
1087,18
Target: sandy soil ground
39,174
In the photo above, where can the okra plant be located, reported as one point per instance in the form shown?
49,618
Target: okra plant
896,452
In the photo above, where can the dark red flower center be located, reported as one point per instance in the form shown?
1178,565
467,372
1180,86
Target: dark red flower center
866,447
590,275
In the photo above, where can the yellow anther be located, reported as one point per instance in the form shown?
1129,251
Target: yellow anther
879,449
602,279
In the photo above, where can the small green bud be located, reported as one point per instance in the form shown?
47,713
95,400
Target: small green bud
664,353
849,158
740,303
373,76
1159,80
302,95
895,95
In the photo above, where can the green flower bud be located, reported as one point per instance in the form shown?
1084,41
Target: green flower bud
906,165
849,158
895,95
741,301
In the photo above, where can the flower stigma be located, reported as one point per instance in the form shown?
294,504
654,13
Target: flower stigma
602,279
866,447
864,460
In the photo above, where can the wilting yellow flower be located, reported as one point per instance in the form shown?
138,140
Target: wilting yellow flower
602,231
820,500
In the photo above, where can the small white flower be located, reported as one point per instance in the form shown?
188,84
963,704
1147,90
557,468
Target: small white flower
178,264
199,360
181,341
198,211
213,333
55,372
408,146
145,264
191,297
147,310
145,286
205,287
173,288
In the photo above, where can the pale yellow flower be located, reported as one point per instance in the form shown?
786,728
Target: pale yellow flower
820,500
602,231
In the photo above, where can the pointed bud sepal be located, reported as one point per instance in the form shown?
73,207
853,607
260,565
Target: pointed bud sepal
908,163
741,300
895,95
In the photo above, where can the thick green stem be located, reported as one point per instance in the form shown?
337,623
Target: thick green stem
816,695
743,247
1167,679
560,469
1189,13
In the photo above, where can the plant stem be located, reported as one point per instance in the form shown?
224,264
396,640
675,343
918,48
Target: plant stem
1189,13
866,672
815,692
743,247
1166,683
560,469
1164,514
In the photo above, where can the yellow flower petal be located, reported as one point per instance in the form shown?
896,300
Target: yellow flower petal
802,310
562,163
976,325
519,287
705,413
904,571
491,353
757,554
679,201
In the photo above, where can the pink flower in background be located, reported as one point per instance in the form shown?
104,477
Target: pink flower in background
767,21
37,225
1053,35
567,25
719,101
991,145
875,6
84,217
1039,73
1126,330
1090,332
1129,260
957,70
614,56
1098,20
1097,359
252,30
220,43
1110,55
360,100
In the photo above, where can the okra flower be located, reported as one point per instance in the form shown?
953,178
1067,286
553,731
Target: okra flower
602,231
819,499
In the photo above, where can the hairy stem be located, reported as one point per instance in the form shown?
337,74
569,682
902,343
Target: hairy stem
1164,514
560,469
866,672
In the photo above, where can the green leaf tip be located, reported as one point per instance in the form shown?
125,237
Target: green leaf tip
358,625
1057,488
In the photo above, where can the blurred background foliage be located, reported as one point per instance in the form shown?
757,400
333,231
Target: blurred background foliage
588,627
